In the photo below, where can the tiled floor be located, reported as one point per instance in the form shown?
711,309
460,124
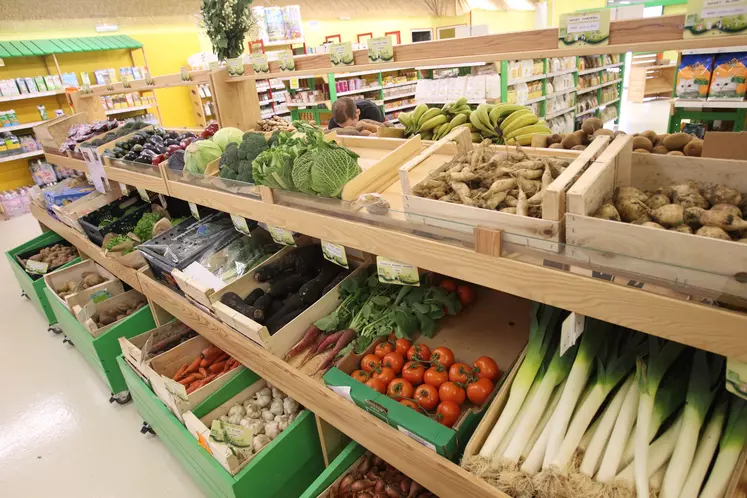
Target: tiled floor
59,436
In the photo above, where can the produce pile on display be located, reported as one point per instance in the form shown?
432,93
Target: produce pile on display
619,413
374,477
511,124
54,256
210,364
79,133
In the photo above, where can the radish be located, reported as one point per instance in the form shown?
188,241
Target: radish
308,339
343,340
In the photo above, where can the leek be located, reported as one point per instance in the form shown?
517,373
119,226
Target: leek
658,478
544,421
650,373
556,373
522,412
533,463
620,432
544,319
704,454
701,391
586,440
729,448
594,336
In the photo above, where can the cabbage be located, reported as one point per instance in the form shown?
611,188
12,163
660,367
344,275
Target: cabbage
224,136
199,154
332,169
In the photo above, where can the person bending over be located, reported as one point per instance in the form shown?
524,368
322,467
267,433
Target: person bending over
349,113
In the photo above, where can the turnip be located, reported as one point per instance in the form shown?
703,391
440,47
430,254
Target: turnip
631,209
684,189
724,220
682,229
652,224
692,216
729,208
607,212
713,233
721,194
693,200
657,200
669,216
630,192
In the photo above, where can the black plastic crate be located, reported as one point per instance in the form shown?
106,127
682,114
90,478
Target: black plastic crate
123,223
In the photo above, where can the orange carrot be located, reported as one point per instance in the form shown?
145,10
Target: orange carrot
192,368
218,366
222,357
211,354
189,379
235,365
180,372
203,371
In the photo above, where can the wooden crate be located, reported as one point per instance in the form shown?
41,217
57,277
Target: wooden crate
543,233
74,272
85,312
654,254
349,458
69,213
163,367
284,339
136,349
52,133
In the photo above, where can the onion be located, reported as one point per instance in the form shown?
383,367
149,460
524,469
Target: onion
345,483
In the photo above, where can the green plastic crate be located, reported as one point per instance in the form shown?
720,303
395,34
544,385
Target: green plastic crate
283,469
34,289
347,457
102,351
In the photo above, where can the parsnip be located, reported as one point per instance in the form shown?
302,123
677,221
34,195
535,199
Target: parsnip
657,200
669,216
631,209
721,194
607,212
713,232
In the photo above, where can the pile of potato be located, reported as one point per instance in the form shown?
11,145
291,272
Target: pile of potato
123,310
714,211
55,256
87,280
274,123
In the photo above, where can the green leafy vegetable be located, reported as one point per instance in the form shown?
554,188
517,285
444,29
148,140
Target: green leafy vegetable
198,154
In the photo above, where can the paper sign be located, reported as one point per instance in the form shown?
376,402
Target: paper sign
125,81
715,18
260,64
394,272
572,328
2,63
194,211
185,74
124,189
281,235
95,168
341,54
38,267
343,391
143,194
294,84
736,377
380,50
239,223
195,271
335,253
417,438
148,78
175,388
213,65
285,59
235,66
162,200
100,295
235,435
584,28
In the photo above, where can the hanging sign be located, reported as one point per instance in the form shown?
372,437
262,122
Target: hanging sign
335,253
341,54
185,74
235,66
715,18
239,223
281,235
380,50
286,61
397,273
584,28
736,377
95,168
193,209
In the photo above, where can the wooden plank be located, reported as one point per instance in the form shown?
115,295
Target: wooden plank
651,171
488,242
148,182
332,440
67,162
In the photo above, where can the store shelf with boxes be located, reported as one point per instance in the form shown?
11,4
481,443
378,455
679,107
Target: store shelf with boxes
393,90
599,82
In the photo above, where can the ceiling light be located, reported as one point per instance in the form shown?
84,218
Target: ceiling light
106,28
519,5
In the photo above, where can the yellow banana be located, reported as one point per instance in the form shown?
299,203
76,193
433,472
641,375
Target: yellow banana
503,110
445,130
531,129
430,113
458,119
419,111
437,131
520,122
483,114
433,122
460,102
476,137
404,118
513,117
524,139
480,125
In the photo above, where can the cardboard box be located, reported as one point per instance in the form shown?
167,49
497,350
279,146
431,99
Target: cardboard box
726,145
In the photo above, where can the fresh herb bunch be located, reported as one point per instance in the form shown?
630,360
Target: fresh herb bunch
226,23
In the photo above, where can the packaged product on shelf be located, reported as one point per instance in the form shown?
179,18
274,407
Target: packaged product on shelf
40,84
22,85
694,76
86,278
729,81
31,85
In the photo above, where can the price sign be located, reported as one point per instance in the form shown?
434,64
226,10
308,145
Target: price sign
584,28
143,194
572,328
715,18
260,63
124,189
736,377
95,168
285,60
38,267
281,235
335,253
396,272
239,223
193,209
294,85
341,54
380,50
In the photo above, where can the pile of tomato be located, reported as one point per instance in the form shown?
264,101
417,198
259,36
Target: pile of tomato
427,380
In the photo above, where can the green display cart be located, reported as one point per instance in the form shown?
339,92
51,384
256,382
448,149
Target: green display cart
102,351
347,457
283,469
34,288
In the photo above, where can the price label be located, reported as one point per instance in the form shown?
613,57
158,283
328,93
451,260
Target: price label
417,438
260,63
584,28
239,223
184,70
343,391
294,85
396,272
214,65
162,200
38,267
143,194
380,50
193,209
736,377
124,189
341,54
285,60
95,168
335,253
715,18
572,328
176,389
281,235
2,63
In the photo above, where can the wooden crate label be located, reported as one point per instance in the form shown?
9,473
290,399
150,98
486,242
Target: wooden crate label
175,388
239,223
203,276
143,194
193,209
232,434
396,273
38,267
335,253
573,327
281,235
417,438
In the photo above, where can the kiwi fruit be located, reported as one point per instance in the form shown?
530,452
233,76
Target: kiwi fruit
677,141
659,149
581,134
556,146
641,142
554,139
571,141
660,139
578,147
642,151
618,134
694,148
603,131
651,135
675,153
590,125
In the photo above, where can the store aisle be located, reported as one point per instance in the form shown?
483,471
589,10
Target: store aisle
59,436
651,115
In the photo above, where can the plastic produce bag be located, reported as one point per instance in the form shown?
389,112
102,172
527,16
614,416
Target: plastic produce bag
240,255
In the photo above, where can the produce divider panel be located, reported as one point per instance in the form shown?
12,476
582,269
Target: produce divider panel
704,262
137,350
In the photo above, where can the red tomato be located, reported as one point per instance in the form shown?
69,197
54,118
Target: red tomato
466,294
419,352
435,376
410,403
399,388
486,368
451,392
479,391
382,349
448,285
402,345
377,385
448,413
460,372
442,356
426,396
391,337
395,361
386,374
360,376
370,362
413,372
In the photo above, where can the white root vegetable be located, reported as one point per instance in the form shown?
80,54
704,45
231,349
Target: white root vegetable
522,207
521,415
533,462
290,406
713,233
631,193
277,406
704,454
721,194
669,215
608,212
282,421
277,393
620,434
263,398
252,410
245,422
256,426
729,449
546,416
658,453
260,441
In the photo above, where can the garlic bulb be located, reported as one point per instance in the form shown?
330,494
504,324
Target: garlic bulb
290,406
236,410
235,419
277,393
268,416
272,430
260,441
277,406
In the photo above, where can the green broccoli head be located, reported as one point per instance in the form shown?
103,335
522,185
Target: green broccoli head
230,157
245,171
252,145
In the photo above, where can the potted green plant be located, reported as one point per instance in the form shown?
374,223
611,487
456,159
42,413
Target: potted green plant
226,23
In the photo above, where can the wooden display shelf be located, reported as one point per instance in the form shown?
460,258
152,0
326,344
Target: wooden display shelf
141,175
25,155
66,162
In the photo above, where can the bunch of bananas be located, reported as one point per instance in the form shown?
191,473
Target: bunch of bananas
511,124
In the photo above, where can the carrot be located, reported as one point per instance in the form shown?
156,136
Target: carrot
344,339
192,368
211,354
203,371
235,365
312,350
309,338
180,372
218,366
222,357
203,363
189,379
209,350
193,387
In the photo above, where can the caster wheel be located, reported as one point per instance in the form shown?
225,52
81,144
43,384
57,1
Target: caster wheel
55,329
65,340
147,429
121,398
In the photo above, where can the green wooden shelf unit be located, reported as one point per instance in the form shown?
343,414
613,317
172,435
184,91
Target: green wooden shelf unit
283,469
34,288
102,351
